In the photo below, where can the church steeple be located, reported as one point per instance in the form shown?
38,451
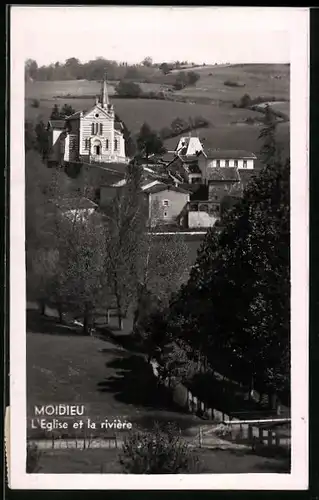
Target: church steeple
104,95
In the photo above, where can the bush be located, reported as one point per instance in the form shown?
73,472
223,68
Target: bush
128,89
160,451
231,83
35,103
33,457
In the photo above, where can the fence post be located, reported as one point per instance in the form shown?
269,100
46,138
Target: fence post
200,437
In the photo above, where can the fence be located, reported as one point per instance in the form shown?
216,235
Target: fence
245,431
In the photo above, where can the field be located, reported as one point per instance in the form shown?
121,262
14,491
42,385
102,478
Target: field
65,367
227,129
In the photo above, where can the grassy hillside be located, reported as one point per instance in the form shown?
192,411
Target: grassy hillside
228,128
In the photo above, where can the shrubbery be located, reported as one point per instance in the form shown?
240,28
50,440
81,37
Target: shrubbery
160,451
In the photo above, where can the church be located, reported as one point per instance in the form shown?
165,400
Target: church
91,136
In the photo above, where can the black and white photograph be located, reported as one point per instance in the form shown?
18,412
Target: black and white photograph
159,239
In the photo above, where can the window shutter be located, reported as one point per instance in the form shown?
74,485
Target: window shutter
107,144
92,128
101,128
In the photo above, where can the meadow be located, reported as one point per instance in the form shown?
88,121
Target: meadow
227,130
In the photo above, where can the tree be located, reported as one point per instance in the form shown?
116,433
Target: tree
269,152
31,69
164,67
42,139
29,136
160,451
55,113
147,62
128,89
245,270
66,110
82,258
148,142
245,101
124,226
130,146
192,77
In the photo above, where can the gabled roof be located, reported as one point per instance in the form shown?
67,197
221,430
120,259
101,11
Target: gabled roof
57,124
165,187
223,174
218,154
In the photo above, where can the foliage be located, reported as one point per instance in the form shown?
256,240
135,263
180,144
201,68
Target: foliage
148,62
29,136
42,140
33,458
165,68
148,142
245,271
35,103
65,111
185,79
128,89
130,146
269,152
160,451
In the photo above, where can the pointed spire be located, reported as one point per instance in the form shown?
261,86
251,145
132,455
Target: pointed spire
104,94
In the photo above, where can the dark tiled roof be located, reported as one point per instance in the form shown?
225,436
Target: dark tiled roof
57,124
159,188
223,174
218,154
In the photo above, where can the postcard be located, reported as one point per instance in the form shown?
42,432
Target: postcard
158,248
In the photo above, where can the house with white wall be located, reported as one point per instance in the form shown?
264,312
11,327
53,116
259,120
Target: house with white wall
212,158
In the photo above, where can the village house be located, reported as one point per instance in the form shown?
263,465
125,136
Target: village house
212,158
88,136
167,204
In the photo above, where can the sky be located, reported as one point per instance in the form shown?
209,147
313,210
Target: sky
198,34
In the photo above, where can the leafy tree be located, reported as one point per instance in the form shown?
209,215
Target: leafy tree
179,125
245,101
245,270
147,62
55,113
192,77
160,451
165,68
269,152
31,69
130,146
148,142
29,136
66,110
42,139
124,226
128,89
